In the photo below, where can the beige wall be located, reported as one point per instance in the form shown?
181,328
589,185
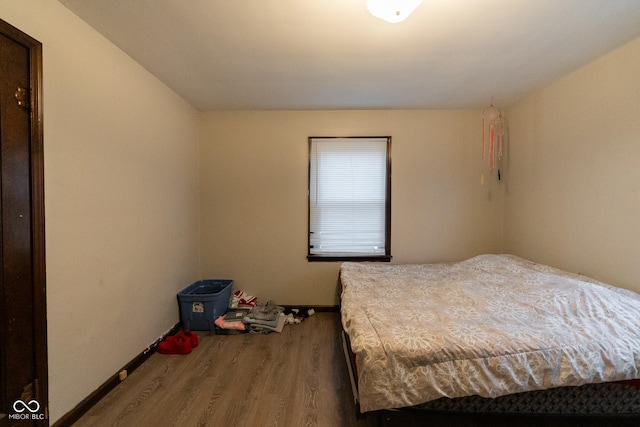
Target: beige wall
120,198
253,194
573,193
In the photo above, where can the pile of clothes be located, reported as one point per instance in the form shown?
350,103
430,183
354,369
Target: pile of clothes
240,299
257,318
264,318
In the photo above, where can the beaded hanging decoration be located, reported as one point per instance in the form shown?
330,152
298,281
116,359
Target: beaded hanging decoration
493,127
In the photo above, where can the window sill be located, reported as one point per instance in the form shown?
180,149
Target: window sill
353,258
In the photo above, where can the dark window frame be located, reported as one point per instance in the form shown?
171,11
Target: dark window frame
386,257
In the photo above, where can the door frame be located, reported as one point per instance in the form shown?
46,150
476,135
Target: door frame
41,389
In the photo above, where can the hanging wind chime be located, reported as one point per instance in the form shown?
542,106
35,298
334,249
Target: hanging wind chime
493,128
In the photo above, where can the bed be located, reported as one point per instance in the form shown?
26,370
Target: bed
489,326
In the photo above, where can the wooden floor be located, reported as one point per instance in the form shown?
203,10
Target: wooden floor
294,378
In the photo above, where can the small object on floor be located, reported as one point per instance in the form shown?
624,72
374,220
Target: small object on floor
177,344
181,343
191,336
297,315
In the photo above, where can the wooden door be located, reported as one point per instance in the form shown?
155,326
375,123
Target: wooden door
23,363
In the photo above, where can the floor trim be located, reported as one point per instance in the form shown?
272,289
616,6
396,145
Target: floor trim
81,408
316,308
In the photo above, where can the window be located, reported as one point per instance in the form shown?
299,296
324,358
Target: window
349,198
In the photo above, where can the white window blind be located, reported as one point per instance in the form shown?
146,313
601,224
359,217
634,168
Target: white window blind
348,196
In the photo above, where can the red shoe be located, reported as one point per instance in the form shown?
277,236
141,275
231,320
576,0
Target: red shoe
175,345
190,336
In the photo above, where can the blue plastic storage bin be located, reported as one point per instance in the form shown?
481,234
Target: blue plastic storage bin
202,302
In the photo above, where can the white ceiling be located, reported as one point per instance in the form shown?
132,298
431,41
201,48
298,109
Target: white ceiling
332,54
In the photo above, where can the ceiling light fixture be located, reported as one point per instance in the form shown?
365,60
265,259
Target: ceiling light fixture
392,10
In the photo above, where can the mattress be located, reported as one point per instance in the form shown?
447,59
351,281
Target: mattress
489,326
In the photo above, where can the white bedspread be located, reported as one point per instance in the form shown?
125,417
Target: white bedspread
489,326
